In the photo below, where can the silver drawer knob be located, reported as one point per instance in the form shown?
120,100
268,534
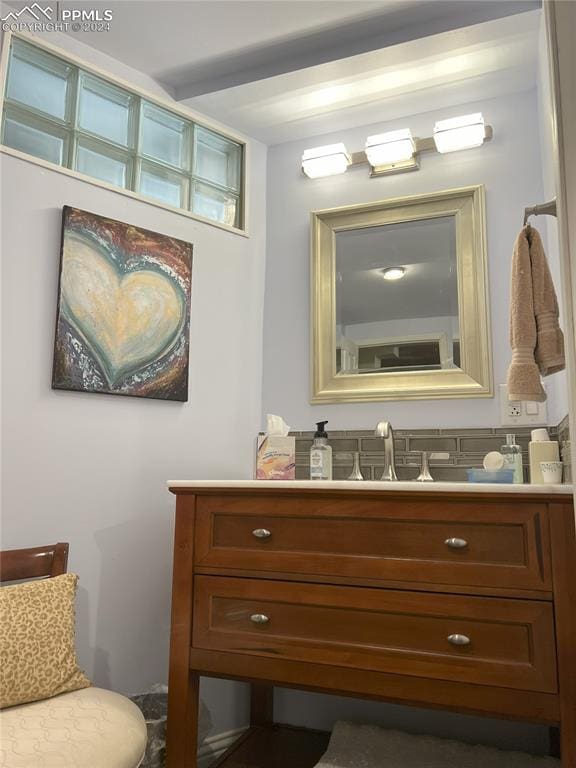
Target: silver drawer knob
459,639
262,533
456,543
259,618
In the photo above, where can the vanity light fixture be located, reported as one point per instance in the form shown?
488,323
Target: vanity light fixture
391,152
328,160
398,151
458,133
393,273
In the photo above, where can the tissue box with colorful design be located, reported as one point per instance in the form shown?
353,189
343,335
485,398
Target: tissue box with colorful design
275,458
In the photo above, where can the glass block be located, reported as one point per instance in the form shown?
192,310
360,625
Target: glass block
163,185
38,80
217,159
96,161
216,205
105,110
164,136
34,140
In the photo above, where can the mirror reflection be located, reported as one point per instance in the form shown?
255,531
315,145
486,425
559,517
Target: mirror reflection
397,297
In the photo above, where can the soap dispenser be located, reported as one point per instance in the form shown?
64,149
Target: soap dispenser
512,454
321,454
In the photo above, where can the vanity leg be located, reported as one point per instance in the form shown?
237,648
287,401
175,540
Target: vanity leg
563,539
183,683
261,704
554,741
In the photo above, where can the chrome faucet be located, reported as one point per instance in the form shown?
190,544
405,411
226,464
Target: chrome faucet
384,429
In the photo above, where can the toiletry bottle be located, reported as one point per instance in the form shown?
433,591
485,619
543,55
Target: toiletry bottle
321,454
512,454
541,448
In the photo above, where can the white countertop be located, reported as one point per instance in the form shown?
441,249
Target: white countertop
371,485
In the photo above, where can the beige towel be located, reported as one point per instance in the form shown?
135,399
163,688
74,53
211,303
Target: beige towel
535,336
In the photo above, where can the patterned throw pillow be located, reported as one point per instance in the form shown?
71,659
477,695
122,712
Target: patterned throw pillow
37,654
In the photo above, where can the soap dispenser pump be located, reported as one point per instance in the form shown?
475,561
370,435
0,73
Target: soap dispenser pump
321,454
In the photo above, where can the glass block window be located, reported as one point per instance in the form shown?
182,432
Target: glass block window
56,111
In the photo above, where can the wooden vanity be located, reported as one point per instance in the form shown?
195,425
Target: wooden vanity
448,596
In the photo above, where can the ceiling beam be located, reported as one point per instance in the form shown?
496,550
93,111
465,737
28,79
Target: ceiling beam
412,20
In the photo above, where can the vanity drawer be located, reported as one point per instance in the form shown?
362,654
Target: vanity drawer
442,541
488,641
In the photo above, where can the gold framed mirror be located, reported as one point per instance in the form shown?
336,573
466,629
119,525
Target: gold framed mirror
399,298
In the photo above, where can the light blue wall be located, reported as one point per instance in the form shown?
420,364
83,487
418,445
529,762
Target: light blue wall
92,469
509,167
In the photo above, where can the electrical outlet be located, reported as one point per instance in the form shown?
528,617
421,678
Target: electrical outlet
521,412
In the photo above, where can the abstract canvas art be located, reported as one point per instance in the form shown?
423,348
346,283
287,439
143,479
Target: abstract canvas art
123,309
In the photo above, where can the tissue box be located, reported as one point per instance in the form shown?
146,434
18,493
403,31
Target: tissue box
275,458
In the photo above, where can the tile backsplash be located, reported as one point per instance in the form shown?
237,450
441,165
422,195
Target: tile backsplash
564,430
466,448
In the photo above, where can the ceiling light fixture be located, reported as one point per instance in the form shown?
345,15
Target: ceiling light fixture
328,160
393,273
458,133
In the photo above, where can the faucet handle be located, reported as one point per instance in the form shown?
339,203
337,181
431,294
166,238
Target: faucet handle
356,473
424,476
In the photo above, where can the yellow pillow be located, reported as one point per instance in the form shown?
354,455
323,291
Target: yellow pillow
37,654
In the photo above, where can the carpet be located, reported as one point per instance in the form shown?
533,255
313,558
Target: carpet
368,746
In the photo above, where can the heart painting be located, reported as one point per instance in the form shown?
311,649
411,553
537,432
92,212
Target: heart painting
123,310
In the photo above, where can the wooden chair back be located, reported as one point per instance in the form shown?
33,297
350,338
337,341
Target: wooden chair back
18,564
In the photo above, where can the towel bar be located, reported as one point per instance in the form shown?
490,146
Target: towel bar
548,209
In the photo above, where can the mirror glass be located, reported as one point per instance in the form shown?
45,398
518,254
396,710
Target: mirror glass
397,297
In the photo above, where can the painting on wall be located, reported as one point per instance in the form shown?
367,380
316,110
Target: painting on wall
123,316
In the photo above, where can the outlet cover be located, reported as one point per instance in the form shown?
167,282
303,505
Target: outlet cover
521,413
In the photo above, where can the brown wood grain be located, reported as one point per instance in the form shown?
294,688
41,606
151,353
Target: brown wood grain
183,683
383,539
506,703
34,562
276,747
563,538
412,586
512,642
362,593
388,493
261,704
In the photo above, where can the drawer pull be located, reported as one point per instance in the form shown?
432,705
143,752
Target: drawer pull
459,639
259,618
262,533
456,543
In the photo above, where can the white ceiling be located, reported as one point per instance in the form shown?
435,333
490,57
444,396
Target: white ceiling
171,39
199,46
280,70
477,62
426,249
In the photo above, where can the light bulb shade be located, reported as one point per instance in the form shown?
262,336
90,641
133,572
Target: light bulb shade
325,161
389,148
458,133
